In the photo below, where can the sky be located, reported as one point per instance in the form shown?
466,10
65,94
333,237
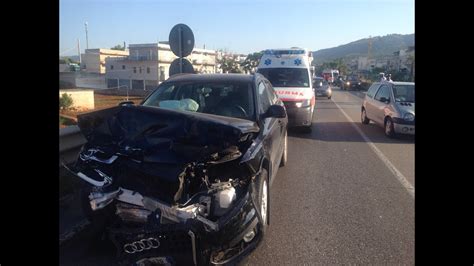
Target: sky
239,26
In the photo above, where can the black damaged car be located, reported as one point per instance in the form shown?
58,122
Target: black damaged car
184,177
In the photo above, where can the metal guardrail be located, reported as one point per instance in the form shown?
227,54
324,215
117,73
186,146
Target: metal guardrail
70,143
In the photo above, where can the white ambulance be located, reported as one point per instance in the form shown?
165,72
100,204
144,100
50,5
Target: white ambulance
289,71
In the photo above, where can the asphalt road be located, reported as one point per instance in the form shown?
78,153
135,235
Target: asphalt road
335,202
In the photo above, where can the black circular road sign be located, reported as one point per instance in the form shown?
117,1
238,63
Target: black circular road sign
174,67
181,38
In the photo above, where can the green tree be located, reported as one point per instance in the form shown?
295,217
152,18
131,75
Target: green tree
229,65
252,61
341,66
65,101
118,47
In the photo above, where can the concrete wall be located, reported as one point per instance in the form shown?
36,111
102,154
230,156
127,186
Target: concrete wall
82,98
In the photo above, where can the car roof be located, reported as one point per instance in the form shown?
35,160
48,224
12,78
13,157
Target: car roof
397,82
212,77
402,83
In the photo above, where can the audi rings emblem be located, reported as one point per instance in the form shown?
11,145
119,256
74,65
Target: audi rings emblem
141,245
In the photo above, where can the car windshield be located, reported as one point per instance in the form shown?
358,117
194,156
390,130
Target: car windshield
286,77
404,93
232,99
318,82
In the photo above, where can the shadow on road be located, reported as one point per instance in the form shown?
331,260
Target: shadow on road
344,132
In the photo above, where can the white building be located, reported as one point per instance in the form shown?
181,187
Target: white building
148,64
93,60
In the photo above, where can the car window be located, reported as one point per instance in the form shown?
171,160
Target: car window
384,91
233,99
263,97
372,90
271,93
404,93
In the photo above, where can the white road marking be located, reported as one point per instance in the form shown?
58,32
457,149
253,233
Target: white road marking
401,178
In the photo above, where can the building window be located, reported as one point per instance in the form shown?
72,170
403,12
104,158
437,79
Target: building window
148,70
140,70
134,69
111,66
123,66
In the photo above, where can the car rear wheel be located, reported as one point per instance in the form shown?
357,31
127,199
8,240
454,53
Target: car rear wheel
389,130
284,156
363,117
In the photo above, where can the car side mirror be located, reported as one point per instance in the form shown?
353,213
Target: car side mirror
276,111
125,103
385,100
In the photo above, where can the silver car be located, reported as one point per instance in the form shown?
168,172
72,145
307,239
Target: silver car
322,87
391,104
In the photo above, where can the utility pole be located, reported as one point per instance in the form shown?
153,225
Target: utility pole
87,38
158,60
79,51
370,47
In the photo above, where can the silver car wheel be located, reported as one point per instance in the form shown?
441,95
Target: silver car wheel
264,199
388,127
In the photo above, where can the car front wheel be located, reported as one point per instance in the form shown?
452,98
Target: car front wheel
389,130
363,117
263,200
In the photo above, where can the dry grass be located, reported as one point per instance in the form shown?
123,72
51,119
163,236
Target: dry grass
102,102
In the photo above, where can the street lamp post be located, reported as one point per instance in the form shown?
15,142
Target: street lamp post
87,38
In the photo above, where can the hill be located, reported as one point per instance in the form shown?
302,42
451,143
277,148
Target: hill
381,46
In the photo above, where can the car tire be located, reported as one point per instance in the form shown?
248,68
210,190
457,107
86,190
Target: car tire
307,129
363,117
264,200
284,155
388,128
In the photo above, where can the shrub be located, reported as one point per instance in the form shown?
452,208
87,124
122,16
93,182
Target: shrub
65,101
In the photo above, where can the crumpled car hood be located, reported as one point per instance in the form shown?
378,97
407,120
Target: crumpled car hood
161,135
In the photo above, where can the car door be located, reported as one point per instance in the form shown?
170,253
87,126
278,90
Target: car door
282,122
380,106
369,100
271,127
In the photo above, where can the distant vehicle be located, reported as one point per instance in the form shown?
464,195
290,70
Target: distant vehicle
289,71
391,105
322,87
352,83
331,75
74,67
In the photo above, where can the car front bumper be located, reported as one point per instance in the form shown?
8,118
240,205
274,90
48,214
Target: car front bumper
404,128
298,116
323,93
190,243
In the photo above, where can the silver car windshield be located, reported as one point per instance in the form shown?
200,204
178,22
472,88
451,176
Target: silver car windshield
404,93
